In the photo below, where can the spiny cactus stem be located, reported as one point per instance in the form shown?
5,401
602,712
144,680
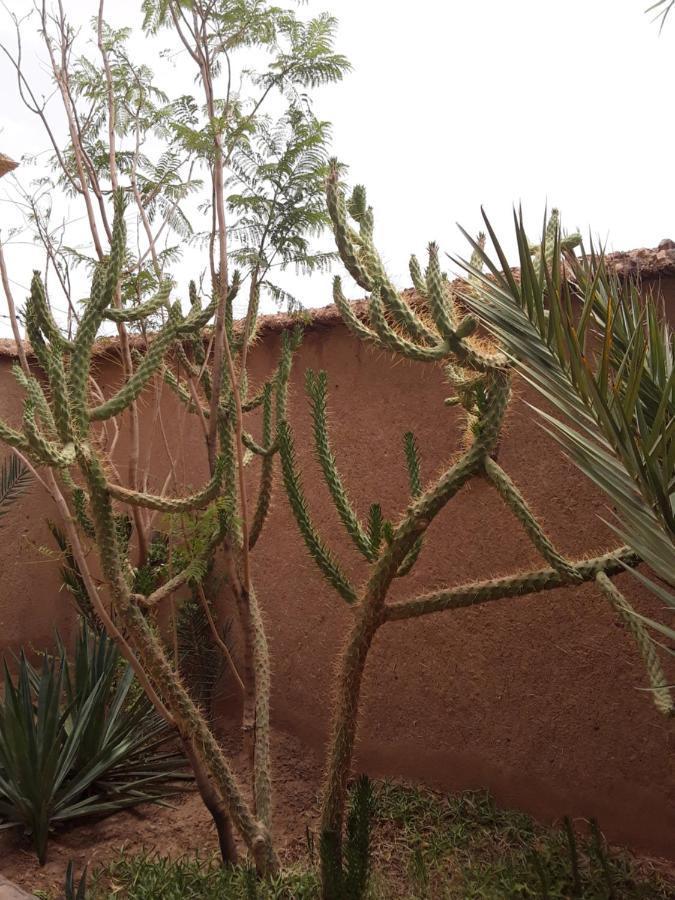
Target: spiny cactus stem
478,592
170,504
370,614
657,678
518,505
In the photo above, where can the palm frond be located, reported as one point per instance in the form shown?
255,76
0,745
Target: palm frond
603,356
15,479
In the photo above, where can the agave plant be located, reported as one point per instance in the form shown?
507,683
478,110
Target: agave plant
73,743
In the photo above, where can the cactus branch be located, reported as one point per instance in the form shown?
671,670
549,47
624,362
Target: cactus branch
478,592
657,679
169,504
316,387
518,505
318,550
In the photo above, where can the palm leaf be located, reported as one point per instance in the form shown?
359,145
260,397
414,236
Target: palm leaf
15,479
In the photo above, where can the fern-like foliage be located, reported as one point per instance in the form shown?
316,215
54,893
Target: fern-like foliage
15,479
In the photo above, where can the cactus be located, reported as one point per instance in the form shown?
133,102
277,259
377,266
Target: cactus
429,329
59,431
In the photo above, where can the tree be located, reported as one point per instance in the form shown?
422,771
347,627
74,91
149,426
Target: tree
134,151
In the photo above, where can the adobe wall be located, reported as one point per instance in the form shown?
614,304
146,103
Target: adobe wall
537,698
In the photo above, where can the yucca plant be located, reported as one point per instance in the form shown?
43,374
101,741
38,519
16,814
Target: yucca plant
601,352
431,328
74,743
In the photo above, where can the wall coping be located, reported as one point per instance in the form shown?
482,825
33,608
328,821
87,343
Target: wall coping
643,263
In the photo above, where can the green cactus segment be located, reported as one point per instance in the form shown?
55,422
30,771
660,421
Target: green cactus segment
518,505
170,504
251,320
412,461
144,373
349,317
318,550
438,301
198,318
544,254
81,515
104,286
262,767
290,342
44,451
477,262
143,310
34,390
43,314
659,684
394,341
416,277
375,528
475,593
37,342
346,238
317,389
59,393
13,438
266,472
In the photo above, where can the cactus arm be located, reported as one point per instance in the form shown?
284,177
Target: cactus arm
80,508
316,387
14,438
43,314
266,471
476,593
170,504
143,310
394,341
416,276
323,557
34,390
59,394
143,374
371,611
512,497
103,289
254,447
44,450
262,774
659,684
349,317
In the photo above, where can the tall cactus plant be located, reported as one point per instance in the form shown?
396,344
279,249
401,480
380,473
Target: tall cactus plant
61,430
431,329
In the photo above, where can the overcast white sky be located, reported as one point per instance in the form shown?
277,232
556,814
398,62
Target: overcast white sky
460,103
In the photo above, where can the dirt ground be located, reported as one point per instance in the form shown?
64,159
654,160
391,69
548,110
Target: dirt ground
185,828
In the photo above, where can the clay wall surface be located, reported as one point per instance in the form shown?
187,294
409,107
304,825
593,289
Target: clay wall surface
536,698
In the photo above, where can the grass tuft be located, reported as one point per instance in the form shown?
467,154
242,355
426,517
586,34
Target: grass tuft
424,846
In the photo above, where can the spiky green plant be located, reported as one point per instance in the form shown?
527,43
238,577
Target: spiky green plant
60,432
601,351
73,745
433,328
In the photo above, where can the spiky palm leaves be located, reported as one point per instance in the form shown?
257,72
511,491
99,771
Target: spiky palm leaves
15,479
602,353
59,431
432,328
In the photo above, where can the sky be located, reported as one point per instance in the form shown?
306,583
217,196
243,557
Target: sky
452,105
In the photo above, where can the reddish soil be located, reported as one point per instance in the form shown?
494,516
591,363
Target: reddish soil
183,829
